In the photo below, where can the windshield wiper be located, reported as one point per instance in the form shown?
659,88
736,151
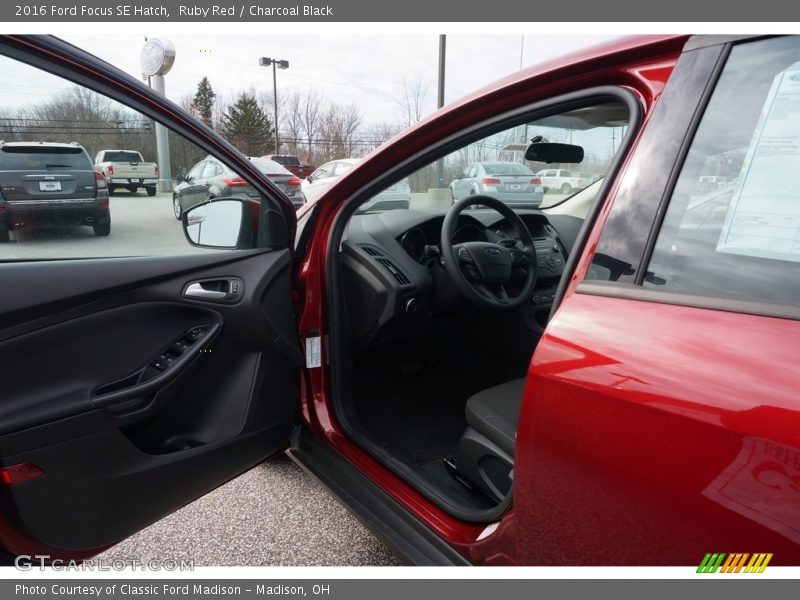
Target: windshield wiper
57,166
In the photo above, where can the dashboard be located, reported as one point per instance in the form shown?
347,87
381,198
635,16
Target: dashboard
392,273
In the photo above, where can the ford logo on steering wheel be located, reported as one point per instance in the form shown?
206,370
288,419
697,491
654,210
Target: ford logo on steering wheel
493,251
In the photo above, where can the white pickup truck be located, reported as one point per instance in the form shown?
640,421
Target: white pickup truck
127,169
562,181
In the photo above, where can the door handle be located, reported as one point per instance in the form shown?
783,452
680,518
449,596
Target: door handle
196,290
224,289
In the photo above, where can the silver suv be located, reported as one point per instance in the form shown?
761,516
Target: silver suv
44,183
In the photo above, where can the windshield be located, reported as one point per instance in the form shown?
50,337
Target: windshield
496,165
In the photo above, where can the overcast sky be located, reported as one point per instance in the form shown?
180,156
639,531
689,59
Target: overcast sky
365,69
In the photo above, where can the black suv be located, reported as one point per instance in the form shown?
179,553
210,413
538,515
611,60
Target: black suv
45,183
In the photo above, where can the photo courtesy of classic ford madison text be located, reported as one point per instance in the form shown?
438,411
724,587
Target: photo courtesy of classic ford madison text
550,322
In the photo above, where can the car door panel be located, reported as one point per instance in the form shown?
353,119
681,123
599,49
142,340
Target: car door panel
663,427
114,462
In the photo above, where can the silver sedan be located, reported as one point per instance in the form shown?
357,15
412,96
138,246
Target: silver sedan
510,182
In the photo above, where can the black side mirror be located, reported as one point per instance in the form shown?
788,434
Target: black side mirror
180,178
552,152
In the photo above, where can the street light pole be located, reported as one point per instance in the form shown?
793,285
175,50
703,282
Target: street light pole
279,64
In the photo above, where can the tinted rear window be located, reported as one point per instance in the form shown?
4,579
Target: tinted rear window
287,160
506,169
269,167
122,157
38,158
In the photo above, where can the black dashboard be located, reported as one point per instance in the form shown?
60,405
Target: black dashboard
392,273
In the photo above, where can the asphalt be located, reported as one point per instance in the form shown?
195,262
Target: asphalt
140,226
273,515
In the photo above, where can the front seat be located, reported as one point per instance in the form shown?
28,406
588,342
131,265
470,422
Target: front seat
485,454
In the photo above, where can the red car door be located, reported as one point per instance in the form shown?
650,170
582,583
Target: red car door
133,384
661,419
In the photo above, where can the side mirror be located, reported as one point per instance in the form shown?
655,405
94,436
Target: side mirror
180,178
551,152
224,223
310,179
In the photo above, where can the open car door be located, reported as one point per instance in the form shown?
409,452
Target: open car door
131,385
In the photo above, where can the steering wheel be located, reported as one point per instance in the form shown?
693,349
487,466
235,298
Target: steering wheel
481,270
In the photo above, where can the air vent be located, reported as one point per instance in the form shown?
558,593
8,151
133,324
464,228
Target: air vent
399,275
371,251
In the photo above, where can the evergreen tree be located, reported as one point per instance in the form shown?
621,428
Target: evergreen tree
203,101
247,127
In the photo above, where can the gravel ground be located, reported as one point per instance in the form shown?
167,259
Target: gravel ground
273,515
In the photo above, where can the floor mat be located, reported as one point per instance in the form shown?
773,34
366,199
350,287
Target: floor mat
415,409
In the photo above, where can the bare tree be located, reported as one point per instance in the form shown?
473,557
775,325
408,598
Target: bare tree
291,129
312,108
339,131
377,134
412,100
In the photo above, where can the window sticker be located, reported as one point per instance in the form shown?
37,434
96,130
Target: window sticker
763,219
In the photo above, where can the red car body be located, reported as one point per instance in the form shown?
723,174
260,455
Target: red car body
292,163
585,490
650,433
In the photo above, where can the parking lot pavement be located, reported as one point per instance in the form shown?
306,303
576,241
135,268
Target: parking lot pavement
273,515
140,226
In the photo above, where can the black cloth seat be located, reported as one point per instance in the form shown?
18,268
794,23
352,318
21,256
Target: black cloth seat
494,412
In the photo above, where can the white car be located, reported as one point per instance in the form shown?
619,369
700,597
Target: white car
315,184
396,196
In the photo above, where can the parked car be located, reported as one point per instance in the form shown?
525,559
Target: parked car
512,183
317,183
127,169
210,178
562,181
44,183
292,163
396,196
501,386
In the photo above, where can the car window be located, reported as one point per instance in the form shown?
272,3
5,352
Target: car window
43,157
323,172
211,169
55,203
495,164
195,172
732,228
342,168
269,167
121,157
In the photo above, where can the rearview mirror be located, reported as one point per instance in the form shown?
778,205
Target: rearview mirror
552,152
217,224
